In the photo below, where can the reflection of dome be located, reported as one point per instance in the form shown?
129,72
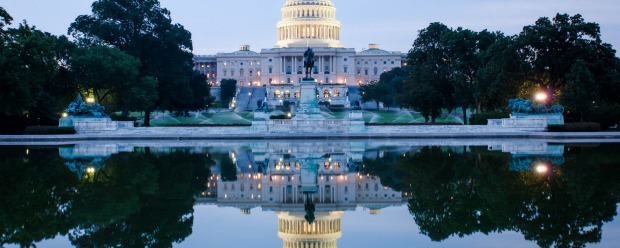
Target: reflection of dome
296,232
308,23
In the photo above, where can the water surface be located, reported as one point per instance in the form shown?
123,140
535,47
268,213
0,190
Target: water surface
444,193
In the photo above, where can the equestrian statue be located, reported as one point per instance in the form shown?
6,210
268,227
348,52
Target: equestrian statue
309,62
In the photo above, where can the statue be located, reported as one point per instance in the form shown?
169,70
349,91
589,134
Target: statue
521,106
79,108
309,207
309,63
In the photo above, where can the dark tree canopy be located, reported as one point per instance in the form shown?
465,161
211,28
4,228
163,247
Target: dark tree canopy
228,90
144,30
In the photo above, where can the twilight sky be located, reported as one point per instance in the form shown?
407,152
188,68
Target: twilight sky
221,26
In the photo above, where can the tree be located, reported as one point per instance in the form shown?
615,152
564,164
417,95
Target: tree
377,92
104,72
429,89
500,76
228,90
144,30
551,47
581,92
421,94
33,74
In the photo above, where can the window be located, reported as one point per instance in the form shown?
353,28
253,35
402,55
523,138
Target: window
297,95
336,94
278,94
385,62
366,72
241,63
270,60
376,71
392,62
346,59
287,94
270,189
241,72
225,73
346,189
270,70
232,73
346,69
359,72
251,73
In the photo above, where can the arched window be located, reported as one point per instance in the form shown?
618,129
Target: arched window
336,93
287,94
278,94
297,94
241,72
251,73
326,94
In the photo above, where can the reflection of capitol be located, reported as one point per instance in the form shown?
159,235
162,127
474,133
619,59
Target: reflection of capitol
284,176
275,178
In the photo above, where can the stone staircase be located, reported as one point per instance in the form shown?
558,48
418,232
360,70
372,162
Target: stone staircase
247,98
356,95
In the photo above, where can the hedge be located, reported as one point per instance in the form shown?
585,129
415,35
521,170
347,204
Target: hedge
576,127
483,118
42,130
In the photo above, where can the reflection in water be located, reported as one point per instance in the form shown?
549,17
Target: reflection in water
102,195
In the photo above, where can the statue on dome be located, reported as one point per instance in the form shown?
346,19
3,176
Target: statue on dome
309,62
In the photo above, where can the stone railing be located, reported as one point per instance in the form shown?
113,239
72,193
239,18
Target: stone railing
89,127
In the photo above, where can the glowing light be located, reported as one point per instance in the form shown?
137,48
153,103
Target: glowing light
90,170
542,169
541,97
90,100
64,115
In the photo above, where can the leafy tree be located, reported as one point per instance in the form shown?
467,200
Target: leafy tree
430,88
377,92
421,93
228,90
104,72
500,76
144,30
551,47
580,92
388,87
33,74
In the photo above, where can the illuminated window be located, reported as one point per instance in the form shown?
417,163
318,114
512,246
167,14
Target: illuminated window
278,94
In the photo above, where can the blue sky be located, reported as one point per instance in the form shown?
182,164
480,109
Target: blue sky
221,26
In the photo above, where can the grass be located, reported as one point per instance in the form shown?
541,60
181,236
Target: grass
244,118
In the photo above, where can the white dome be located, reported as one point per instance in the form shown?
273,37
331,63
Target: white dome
308,23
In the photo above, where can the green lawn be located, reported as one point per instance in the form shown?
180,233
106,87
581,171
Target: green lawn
226,117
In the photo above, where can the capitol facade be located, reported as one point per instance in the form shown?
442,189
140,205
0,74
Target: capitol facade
305,23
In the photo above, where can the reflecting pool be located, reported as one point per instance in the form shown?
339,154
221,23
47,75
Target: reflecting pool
382,193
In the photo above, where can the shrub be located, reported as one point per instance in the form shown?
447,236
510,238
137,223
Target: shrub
556,128
43,130
279,117
209,125
483,118
576,127
607,115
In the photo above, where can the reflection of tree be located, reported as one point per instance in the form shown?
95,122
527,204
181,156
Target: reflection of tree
136,200
228,168
34,190
475,191
140,200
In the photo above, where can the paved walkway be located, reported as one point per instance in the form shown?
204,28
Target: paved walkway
372,132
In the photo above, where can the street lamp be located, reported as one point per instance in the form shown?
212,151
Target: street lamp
90,100
542,169
541,97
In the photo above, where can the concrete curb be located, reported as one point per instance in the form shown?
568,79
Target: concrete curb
302,136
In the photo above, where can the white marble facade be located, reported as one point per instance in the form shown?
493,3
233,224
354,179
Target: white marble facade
304,23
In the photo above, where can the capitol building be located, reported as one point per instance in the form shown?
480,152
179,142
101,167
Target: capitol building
304,23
